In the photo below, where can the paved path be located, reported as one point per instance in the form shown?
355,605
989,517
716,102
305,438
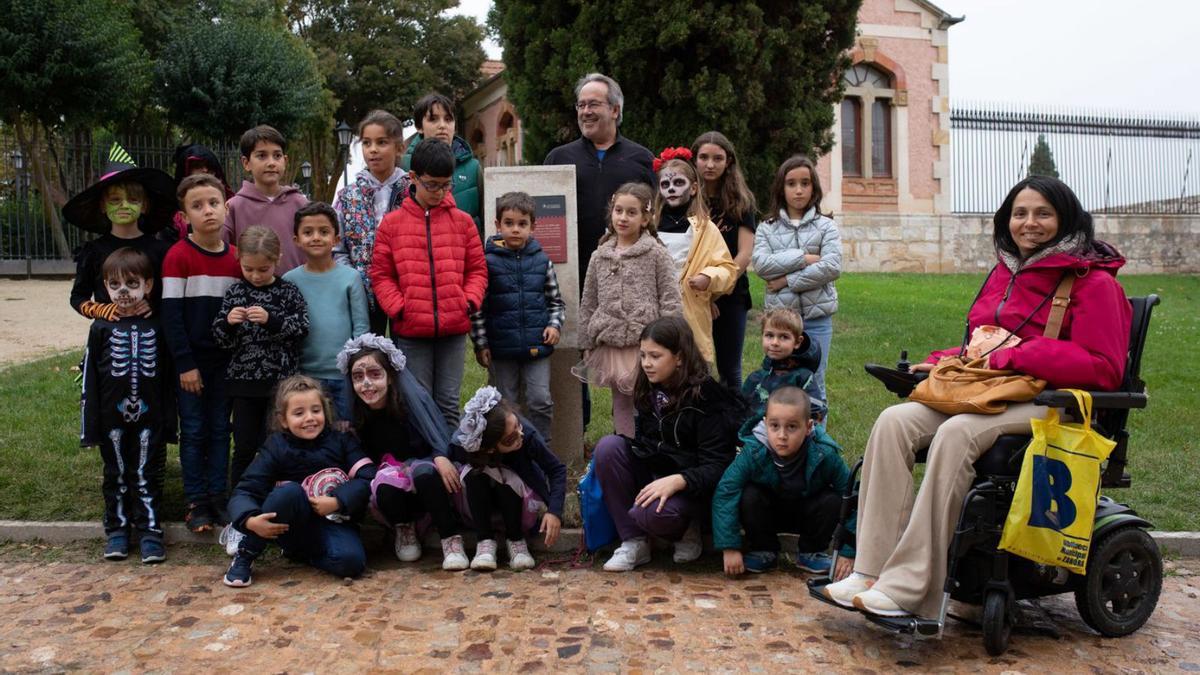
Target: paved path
177,617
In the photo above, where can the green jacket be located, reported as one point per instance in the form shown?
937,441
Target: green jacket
823,469
468,176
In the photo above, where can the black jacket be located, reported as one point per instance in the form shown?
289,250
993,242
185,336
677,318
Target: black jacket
696,437
597,180
285,458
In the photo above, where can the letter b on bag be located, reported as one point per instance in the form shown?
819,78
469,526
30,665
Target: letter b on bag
1051,507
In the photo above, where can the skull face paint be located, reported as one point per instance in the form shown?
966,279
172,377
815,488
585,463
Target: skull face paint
674,187
370,382
126,291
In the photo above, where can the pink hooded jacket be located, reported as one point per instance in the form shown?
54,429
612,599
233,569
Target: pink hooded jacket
1093,345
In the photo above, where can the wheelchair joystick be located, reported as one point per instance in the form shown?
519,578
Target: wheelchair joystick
903,364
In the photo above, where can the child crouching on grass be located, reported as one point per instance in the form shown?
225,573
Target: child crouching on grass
509,472
789,478
305,490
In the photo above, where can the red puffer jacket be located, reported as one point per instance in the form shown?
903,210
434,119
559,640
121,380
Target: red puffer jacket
428,270
1093,345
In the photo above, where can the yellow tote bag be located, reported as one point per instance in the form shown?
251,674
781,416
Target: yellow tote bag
1054,506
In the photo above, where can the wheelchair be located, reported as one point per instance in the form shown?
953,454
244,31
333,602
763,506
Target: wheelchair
1124,575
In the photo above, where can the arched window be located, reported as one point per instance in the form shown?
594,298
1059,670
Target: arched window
867,122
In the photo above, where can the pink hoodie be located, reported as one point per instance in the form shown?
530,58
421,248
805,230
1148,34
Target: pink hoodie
1093,345
251,207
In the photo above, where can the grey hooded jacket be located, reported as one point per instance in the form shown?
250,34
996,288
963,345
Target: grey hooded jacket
780,245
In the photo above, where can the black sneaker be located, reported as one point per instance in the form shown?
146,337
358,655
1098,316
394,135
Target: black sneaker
117,547
153,550
238,575
199,517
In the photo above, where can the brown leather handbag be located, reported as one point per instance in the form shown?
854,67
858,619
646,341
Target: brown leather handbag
957,385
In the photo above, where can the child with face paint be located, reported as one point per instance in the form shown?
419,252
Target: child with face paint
509,472
378,189
631,281
128,408
278,498
403,432
262,322
659,481
798,252
126,207
705,269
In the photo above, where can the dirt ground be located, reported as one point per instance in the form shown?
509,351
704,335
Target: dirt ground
37,320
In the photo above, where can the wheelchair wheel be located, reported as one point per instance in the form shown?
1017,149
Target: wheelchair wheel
997,623
1123,582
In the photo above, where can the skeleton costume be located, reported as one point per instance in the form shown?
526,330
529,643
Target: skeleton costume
128,410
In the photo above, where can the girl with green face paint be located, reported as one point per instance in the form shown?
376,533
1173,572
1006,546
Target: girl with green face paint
123,205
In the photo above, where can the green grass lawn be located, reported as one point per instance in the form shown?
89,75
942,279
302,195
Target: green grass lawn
45,475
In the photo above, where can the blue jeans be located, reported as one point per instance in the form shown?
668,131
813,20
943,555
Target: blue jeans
532,378
821,330
339,392
204,437
729,336
328,546
438,364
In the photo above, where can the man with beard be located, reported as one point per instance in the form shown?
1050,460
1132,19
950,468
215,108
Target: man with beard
603,158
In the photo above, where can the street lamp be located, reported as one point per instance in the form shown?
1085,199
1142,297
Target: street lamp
344,135
18,159
306,174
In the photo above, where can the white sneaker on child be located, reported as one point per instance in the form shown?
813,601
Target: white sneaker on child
485,555
518,555
843,592
230,538
629,554
408,547
691,545
454,558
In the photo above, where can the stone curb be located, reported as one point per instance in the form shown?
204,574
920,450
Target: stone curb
1180,543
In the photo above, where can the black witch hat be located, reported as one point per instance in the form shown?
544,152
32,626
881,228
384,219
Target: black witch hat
85,212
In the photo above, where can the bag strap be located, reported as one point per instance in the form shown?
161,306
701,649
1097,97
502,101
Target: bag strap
1058,306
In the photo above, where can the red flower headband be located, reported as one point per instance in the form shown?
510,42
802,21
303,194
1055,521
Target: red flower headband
671,153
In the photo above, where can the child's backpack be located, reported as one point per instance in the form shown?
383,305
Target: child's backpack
598,527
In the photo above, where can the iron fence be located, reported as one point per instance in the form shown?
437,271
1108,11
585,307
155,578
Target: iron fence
29,243
1116,162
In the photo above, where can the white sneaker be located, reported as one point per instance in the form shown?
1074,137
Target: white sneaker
408,547
485,555
454,558
629,555
518,555
878,603
230,538
843,592
691,546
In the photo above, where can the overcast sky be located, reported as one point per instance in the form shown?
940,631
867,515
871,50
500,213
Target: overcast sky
1110,54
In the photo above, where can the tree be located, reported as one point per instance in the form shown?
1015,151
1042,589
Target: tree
388,53
218,79
380,54
764,72
1041,163
66,64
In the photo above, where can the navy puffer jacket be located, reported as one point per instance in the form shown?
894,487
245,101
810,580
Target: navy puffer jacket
515,311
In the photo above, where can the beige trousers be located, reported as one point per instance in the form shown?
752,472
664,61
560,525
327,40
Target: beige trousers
903,542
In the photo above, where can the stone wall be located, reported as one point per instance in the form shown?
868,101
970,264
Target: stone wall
1152,244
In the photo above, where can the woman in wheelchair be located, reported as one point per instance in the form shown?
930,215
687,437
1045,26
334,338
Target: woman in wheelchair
1041,234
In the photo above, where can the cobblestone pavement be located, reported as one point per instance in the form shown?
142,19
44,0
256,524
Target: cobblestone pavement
177,617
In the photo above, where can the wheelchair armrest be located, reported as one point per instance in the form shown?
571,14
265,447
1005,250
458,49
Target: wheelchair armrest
901,383
1101,400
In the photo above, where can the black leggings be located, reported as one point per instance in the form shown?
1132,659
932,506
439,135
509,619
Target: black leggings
765,513
401,506
249,431
485,496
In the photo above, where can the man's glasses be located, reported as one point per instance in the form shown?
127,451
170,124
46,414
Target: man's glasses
590,105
